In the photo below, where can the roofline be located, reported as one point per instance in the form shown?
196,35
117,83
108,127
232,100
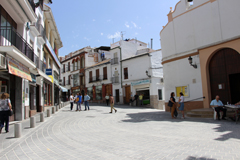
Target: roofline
55,25
73,57
137,56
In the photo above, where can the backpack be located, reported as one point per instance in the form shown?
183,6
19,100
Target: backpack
77,99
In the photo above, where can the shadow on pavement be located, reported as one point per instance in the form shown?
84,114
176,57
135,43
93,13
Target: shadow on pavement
199,158
228,126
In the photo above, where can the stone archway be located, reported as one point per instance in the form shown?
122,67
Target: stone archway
224,75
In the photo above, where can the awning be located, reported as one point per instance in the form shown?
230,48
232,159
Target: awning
63,89
18,69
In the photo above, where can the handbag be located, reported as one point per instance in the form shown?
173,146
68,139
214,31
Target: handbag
170,104
10,112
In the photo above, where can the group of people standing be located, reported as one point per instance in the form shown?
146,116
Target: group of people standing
173,105
137,98
78,99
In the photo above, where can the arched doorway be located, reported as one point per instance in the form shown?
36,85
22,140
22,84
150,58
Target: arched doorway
224,73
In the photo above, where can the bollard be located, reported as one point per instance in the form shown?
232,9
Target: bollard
57,107
41,117
48,113
17,130
32,122
53,109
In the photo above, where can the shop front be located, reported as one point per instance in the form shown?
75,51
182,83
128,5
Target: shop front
90,92
99,93
142,88
75,90
47,93
56,89
32,96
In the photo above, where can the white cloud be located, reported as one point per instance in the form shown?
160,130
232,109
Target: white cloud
101,34
134,24
127,25
116,35
88,39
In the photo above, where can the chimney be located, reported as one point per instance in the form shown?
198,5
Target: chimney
65,56
70,54
151,43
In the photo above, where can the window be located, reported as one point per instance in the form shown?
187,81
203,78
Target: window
125,73
98,92
97,74
76,80
78,63
82,62
64,81
105,73
75,63
159,94
69,80
63,68
73,66
90,76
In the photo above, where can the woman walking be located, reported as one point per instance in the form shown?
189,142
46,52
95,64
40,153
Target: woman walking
181,102
5,108
173,108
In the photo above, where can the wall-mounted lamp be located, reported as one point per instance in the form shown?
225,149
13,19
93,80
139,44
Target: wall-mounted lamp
147,74
190,62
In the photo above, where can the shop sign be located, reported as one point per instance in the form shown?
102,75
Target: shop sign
73,88
140,82
18,69
49,73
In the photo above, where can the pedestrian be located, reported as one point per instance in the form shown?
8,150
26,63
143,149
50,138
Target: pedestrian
78,100
173,108
107,99
136,99
181,102
141,99
5,109
86,101
112,103
71,101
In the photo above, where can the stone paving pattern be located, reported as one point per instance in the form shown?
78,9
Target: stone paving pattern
131,133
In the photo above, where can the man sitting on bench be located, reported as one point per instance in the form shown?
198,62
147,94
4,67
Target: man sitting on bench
218,106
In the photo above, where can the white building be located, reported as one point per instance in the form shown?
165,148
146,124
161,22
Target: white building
22,40
208,32
143,74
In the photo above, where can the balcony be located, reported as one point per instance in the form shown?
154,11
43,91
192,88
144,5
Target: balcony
52,52
105,77
114,61
115,80
32,4
9,37
95,79
42,66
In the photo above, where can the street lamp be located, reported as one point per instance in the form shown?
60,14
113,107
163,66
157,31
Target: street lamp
190,62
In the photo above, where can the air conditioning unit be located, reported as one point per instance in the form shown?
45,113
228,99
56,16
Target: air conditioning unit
3,64
161,80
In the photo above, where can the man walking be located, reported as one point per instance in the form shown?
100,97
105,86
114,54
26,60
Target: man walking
79,100
112,103
86,101
218,106
71,101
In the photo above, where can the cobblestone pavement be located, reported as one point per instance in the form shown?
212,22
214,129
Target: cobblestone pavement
131,133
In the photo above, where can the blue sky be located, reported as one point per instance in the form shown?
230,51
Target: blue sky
94,23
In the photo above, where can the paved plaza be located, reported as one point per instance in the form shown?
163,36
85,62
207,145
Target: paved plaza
131,133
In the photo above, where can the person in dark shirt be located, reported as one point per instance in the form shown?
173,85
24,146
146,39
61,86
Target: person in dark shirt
136,99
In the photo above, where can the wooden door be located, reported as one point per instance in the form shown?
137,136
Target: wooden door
222,66
97,74
117,95
127,94
108,89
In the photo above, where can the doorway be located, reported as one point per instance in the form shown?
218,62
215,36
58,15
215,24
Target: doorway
234,87
117,95
224,70
127,94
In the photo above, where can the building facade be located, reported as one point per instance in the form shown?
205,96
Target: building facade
205,33
22,71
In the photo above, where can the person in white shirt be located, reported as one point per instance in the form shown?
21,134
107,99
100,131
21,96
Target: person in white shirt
71,101
107,98
181,102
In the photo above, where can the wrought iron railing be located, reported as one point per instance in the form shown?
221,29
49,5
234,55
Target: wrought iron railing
95,79
115,80
32,4
9,37
105,77
114,61
42,66
36,61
